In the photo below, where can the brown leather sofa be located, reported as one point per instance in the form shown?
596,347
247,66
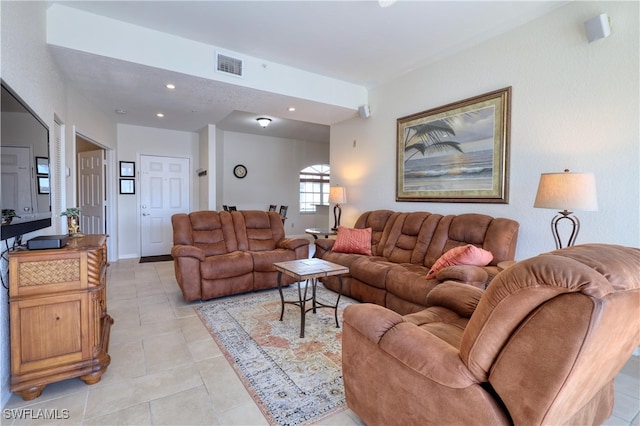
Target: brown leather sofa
404,246
221,253
541,345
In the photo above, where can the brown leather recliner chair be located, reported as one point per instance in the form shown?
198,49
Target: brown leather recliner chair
542,346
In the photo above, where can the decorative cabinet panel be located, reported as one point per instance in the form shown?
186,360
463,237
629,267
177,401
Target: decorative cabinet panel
59,322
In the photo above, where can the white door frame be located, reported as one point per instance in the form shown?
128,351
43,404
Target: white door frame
110,188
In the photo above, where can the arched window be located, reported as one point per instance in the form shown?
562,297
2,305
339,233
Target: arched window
314,187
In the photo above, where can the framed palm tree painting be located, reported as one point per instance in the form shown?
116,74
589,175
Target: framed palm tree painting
456,153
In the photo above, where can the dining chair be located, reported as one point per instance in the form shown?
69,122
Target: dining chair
283,213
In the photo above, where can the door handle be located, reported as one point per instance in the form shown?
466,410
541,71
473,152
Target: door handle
146,214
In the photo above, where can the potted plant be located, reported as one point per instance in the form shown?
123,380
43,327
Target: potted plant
8,215
73,220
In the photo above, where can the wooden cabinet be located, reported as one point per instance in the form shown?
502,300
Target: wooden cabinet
58,313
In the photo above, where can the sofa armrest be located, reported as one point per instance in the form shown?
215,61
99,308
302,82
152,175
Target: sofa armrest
416,348
468,274
371,320
292,243
458,297
186,265
323,245
187,251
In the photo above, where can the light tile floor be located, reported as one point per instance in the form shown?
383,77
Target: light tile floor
167,370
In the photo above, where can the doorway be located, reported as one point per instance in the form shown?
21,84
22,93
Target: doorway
17,182
91,186
164,191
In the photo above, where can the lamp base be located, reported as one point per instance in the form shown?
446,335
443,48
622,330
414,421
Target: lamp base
337,212
575,228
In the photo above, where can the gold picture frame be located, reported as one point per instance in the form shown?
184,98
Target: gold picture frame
456,153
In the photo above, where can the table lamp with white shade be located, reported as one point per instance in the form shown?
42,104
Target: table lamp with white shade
567,191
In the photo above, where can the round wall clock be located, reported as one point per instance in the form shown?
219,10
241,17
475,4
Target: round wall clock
239,171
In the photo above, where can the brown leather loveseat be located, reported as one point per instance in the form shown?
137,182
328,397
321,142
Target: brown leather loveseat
404,246
218,253
542,346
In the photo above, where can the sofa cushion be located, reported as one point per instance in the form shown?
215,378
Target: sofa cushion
409,286
352,240
263,260
226,265
212,232
380,222
444,323
257,230
408,238
371,270
462,255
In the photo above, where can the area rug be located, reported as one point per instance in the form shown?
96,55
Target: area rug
294,381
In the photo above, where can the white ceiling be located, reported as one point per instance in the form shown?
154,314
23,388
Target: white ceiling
355,41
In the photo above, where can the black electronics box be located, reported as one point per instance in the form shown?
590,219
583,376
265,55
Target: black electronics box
47,242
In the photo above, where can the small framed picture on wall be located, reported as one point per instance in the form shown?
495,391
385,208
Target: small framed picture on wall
42,165
43,185
127,169
127,186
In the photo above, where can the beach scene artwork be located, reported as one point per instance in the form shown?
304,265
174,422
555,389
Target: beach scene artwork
457,152
452,153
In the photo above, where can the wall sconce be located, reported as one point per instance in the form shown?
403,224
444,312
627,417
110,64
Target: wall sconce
337,196
567,191
263,121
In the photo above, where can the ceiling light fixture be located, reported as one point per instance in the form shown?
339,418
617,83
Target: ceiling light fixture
171,86
263,121
386,3
160,115
120,111
291,109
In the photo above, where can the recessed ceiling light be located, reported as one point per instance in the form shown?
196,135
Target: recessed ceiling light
120,111
171,86
160,115
291,109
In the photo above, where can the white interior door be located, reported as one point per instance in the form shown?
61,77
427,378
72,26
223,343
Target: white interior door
91,199
164,191
17,182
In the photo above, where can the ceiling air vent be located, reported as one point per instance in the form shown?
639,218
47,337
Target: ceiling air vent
229,65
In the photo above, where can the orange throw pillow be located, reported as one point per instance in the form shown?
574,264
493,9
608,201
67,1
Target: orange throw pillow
353,240
463,255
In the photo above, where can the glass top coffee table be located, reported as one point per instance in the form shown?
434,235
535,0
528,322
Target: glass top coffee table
309,270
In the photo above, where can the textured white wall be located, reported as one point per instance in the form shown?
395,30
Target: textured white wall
134,141
273,176
575,105
28,68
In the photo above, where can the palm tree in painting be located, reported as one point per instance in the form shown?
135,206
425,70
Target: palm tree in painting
430,137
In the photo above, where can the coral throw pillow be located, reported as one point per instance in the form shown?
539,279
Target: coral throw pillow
353,240
463,255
